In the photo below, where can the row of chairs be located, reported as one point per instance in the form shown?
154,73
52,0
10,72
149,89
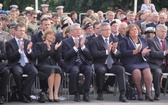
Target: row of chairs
64,87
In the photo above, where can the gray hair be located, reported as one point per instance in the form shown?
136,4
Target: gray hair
73,25
122,23
161,26
103,24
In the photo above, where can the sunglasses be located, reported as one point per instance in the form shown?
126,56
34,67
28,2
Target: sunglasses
34,17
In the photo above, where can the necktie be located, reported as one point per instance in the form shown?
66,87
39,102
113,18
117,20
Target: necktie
106,43
163,48
79,59
22,60
109,60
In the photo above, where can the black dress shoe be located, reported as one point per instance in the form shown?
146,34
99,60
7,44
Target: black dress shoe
77,97
156,97
86,97
28,97
24,99
162,90
1,100
56,100
122,97
100,96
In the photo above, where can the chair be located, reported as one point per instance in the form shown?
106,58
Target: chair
35,86
165,75
106,75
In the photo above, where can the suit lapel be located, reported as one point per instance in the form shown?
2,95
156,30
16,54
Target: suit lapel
71,42
157,43
15,43
102,41
130,43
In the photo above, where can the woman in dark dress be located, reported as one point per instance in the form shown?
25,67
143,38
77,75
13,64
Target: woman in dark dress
48,58
133,50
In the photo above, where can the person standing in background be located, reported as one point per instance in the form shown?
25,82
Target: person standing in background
148,6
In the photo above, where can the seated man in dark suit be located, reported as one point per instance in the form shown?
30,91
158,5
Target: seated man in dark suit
105,59
20,60
154,20
4,73
158,57
77,60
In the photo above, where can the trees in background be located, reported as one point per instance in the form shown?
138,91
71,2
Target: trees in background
84,5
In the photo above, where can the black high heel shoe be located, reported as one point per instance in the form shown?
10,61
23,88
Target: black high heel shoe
140,97
149,98
50,100
56,100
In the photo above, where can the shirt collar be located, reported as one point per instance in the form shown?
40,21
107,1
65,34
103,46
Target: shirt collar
159,39
105,38
18,39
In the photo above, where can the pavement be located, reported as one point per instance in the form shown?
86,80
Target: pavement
109,99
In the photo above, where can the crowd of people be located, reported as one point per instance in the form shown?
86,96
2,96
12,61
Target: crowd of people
49,44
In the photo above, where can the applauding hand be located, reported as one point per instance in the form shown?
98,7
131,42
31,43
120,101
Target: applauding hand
57,45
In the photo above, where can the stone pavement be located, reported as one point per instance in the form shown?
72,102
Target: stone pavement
109,99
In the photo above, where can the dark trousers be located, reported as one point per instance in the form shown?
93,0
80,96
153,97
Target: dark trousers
4,78
24,86
157,74
86,70
100,76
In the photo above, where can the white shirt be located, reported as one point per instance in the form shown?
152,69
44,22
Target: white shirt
76,49
22,52
108,44
161,44
151,7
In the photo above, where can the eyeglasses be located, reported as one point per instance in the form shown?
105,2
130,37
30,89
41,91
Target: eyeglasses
34,17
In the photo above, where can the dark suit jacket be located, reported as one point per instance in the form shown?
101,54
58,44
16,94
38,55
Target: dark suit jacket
98,50
151,25
156,55
108,21
134,22
2,55
44,56
13,54
126,48
70,55
120,37
37,37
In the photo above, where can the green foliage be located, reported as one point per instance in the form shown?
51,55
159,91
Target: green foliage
84,5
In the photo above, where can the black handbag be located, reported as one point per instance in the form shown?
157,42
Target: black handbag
42,97
130,92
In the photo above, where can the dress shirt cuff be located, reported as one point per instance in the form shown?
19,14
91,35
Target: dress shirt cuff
107,52
83,47
29,51
115,51
20,51
164,53
75,48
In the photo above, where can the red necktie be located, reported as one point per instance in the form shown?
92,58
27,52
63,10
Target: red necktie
163,48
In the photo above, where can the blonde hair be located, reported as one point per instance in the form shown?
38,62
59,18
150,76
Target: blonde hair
46,32
86,20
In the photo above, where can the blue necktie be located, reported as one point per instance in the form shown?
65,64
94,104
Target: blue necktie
22,60
109,60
